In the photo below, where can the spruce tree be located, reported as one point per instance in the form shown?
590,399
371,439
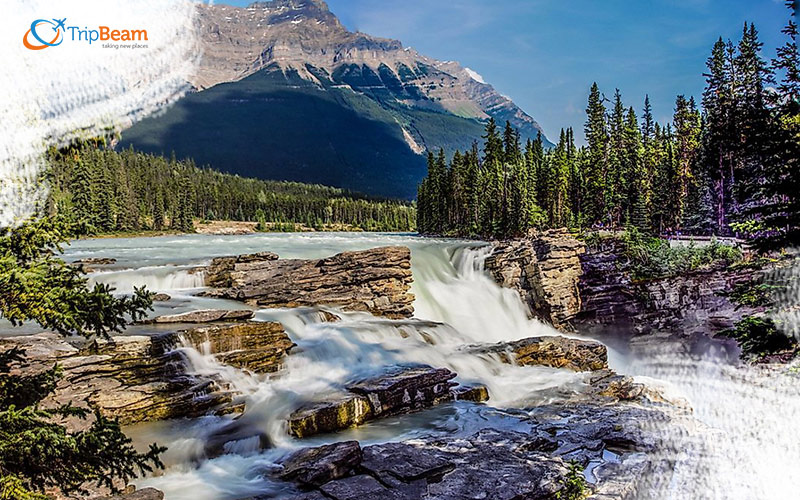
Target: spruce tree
596,158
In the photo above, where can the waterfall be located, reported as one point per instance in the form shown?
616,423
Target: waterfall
155,278
457,305
745,444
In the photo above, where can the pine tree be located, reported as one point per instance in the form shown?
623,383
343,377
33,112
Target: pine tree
686,121
37,451
596,158
158,211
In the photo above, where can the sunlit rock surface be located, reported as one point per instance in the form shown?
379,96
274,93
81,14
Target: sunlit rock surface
143,378
398,391
555,351
376,281
545,270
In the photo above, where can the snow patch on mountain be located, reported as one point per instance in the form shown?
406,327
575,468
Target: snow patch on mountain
475,76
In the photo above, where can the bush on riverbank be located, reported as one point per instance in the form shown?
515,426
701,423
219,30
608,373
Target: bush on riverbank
651,257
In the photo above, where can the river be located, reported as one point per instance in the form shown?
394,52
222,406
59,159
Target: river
749,445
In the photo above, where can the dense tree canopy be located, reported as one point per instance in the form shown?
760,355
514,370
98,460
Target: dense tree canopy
731,168
107,191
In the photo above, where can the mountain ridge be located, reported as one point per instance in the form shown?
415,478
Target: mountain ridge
284,91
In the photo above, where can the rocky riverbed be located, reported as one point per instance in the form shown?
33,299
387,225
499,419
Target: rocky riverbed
350,376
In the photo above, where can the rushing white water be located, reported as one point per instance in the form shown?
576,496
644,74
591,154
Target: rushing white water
745,445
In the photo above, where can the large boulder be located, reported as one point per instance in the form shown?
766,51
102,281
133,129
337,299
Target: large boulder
143,378
376,281
399,391
317,466
553,351
545,270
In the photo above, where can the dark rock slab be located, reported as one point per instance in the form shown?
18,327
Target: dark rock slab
406,390
317,466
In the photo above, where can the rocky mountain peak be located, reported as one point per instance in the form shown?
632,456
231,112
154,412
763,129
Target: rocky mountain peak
305,37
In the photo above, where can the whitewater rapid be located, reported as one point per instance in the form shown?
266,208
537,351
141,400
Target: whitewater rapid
747,447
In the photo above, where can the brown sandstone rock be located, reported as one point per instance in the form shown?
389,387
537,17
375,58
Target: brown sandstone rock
545,271
141,378
376,281
205,316
555,351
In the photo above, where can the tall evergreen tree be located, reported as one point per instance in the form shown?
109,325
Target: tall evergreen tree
596,157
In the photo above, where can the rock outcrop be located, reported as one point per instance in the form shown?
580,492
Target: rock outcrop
399,391
143,378
204,316
692,303
626,447
375,281
545,270
555,351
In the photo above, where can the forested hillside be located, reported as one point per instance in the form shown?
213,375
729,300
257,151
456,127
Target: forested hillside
108,191
731,168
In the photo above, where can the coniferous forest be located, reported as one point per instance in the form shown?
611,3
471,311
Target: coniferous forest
728,169
105,191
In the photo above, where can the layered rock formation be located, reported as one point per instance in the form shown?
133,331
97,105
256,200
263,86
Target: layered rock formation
376,281
692,303
142,378
567,285
400,391
556,352
545,270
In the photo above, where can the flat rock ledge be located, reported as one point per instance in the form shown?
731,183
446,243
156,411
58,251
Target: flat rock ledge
625,449
144,378
400,391
204,316
555,351
545,270
376,281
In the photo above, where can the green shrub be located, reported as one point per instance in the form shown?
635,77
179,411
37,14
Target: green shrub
574,483
758,336
651,257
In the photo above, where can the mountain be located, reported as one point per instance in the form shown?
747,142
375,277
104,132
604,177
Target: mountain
285,91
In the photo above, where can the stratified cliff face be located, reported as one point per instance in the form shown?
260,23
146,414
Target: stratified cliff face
286,92
304,36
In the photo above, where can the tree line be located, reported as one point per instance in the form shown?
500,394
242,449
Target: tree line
107,191
730,168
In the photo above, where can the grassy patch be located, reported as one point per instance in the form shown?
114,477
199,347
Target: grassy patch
574,484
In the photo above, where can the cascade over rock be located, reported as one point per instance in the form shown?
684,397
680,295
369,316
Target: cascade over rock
142,378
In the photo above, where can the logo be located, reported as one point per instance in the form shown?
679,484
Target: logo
41,25
38,36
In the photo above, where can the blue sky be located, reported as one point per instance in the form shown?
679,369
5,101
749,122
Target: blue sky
545,54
